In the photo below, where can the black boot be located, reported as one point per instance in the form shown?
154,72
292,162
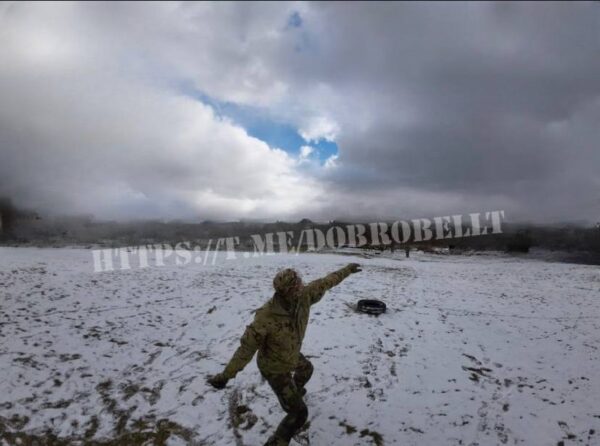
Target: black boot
276,441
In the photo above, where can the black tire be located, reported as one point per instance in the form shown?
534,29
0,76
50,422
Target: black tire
371,306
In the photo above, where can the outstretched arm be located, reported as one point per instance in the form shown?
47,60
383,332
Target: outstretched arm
251,340
316,289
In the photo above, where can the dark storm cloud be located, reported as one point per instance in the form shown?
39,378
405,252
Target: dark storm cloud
473,98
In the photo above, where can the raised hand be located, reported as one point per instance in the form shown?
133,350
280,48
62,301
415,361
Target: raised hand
354,268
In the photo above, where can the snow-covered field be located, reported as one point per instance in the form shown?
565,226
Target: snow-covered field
478,350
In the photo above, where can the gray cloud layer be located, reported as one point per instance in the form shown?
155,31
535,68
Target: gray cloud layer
435,108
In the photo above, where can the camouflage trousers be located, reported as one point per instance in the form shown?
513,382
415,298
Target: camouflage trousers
289,388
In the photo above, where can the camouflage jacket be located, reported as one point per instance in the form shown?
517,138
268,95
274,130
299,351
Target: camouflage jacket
276,333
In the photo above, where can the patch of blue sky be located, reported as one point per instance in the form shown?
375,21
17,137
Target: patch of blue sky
294,21
260,125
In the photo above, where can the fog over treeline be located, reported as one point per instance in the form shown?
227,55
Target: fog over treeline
28,228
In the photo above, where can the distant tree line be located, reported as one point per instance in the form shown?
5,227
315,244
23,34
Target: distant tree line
27,228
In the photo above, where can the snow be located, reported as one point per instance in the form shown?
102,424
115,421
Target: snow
474,350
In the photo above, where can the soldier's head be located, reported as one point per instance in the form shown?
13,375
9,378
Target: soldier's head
287,281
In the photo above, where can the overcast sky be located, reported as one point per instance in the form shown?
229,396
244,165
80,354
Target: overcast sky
291,110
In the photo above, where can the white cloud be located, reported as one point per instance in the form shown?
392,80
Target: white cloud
306,151
82,135
331,162
318,128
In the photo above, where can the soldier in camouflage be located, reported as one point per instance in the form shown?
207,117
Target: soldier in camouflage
277,333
